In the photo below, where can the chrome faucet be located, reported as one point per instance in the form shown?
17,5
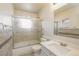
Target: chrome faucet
63,44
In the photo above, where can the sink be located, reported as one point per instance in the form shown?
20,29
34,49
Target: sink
59,49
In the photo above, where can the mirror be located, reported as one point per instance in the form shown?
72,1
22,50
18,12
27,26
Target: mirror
66,21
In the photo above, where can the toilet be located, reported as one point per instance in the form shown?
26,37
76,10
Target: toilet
36,49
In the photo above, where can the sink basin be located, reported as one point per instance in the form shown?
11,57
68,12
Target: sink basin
56,48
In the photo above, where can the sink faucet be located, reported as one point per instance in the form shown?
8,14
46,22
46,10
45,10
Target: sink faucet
63,44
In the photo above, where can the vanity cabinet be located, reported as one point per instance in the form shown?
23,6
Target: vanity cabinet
46,52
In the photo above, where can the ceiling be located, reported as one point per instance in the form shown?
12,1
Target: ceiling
30,7
65,6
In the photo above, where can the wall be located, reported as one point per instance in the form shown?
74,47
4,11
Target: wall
71,13
6,9
18,12
46,15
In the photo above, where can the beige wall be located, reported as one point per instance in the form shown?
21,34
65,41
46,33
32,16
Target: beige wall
71,13
6,9
18,12
46,15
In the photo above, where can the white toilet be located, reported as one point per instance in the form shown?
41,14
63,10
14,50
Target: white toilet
36,49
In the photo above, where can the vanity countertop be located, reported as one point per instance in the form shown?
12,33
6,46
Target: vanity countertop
55,47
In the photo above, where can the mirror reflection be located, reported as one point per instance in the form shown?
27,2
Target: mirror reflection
66,21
